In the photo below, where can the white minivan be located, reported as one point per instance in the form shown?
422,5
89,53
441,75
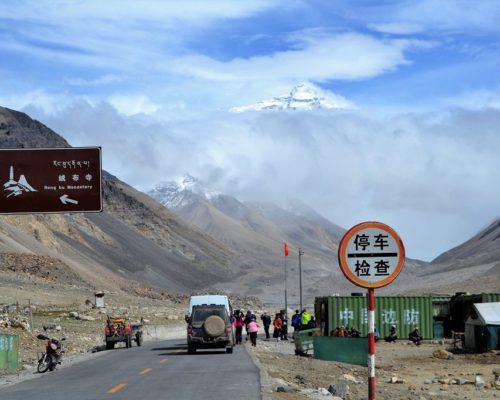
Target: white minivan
209,299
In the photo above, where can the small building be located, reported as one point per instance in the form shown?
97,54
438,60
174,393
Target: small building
461,306
99,300
482,328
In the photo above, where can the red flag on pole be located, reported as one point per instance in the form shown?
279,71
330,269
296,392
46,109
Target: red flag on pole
286,250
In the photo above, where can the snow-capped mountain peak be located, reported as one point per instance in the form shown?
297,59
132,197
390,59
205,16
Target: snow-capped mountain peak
301,97
181,192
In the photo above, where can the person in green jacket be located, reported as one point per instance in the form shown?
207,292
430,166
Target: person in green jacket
306,319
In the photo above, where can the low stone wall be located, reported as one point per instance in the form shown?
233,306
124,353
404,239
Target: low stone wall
163,332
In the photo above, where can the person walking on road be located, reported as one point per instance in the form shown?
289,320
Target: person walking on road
253,328
284,325
247,320
266,321
238,324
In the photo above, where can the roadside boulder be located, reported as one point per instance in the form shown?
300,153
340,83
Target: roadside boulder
442,354
350,378
340,390
396,379
479,382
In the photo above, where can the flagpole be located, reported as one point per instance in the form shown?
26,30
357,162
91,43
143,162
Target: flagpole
286,300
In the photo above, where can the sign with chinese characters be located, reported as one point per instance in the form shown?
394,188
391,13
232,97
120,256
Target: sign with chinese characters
371,255
62,180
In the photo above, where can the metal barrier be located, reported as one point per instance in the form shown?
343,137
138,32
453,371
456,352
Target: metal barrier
9,351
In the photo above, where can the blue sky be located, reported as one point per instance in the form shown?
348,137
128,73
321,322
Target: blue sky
153,82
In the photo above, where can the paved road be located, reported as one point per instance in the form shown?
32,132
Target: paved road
157,370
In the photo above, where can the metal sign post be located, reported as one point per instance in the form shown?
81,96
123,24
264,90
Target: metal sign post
371,255
371,344
60,180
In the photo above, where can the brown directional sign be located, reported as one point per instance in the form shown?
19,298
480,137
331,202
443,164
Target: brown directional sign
61,180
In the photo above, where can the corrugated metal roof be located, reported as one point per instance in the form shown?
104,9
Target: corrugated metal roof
489,313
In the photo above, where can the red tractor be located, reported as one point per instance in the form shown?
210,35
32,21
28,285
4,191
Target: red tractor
119,329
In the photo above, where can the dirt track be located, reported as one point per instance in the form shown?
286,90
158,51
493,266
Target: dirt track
421,375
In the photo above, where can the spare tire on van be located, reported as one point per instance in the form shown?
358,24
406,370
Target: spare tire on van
214,326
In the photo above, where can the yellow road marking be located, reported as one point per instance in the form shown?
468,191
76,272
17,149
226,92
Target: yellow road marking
179,350
163,360
117,388
145,371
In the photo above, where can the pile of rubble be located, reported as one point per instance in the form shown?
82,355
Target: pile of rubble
14,322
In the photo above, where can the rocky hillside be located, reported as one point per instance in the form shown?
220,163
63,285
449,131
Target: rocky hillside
257,231
133,238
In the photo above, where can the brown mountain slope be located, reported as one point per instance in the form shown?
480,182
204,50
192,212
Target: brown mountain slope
134,238
482,248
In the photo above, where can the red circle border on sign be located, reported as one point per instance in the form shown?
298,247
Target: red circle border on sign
343,250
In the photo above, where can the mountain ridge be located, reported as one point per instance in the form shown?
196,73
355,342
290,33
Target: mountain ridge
207,240
92,239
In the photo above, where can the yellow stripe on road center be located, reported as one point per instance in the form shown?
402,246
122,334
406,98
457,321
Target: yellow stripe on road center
163,360
117,388
145,371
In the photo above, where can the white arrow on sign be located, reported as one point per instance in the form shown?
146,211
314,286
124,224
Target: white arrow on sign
64,199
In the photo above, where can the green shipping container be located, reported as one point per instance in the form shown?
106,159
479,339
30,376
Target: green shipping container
406,312
9,351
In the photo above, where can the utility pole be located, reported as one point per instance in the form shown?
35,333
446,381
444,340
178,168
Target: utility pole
301,253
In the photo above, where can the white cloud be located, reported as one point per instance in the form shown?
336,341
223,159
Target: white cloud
133,104
457,15
102,80
428,177
132,37
339,56
431,16
115,10
398,28
46,102
476,100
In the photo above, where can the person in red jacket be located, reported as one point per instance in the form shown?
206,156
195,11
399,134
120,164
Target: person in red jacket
277,324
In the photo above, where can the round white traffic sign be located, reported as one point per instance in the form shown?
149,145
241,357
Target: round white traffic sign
371,254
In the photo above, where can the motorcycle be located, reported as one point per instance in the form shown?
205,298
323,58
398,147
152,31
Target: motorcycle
52,356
